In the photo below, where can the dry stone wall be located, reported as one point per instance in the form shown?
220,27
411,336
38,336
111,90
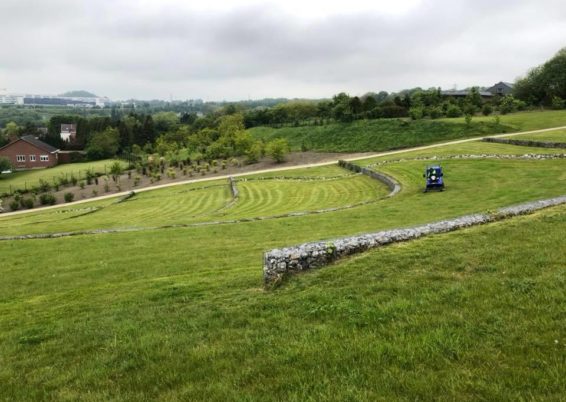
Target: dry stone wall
280,262
390,182
526,143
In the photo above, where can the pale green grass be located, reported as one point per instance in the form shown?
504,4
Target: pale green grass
550,136
29,178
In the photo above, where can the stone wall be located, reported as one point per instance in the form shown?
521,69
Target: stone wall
280,262
391,183
233,187
526,143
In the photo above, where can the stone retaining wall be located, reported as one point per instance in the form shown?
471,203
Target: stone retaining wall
526,143
233,187
280,262
391,183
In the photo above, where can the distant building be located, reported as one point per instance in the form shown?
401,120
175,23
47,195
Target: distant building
463,93
49,100
68,132
501,88
28,152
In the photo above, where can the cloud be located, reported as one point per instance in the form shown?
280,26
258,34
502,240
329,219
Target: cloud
151,49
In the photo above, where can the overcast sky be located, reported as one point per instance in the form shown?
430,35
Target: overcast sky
231,50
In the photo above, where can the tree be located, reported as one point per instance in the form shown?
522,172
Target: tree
116,170
544,82
103,144
277,149
165,121
5,164
11,130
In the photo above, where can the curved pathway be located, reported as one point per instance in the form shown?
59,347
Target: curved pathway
377,154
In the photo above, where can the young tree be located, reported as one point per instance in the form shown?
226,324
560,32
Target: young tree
277,149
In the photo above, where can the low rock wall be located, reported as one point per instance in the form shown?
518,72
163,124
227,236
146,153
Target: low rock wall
391,183
526,143
233,187
280,262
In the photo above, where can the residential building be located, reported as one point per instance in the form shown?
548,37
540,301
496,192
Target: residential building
501,88
28,152
68,132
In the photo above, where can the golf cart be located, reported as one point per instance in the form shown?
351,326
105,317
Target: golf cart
434,180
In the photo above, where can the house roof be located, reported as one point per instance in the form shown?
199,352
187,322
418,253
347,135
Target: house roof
38,143
30,139
464,92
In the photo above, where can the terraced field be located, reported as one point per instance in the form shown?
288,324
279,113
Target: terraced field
179,313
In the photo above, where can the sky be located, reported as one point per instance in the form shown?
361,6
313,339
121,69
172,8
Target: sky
250,49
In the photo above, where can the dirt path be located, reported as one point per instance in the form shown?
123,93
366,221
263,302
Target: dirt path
284,168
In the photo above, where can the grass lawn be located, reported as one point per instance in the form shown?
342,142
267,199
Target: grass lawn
385,134
30,178
550,136
180,314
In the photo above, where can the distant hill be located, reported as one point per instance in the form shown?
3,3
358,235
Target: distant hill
79,94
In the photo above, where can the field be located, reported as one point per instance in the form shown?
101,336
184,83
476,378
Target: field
29,178
385,134
178,312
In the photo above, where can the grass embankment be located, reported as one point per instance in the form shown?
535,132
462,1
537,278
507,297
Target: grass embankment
180,314
29,178
386,134
550,136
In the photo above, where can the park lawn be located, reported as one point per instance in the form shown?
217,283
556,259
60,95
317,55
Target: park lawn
387,134
549,136
473,186
29,178
180,315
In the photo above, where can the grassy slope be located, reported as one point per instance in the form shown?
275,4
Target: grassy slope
31,177
179,314
379,135
474,186
551,136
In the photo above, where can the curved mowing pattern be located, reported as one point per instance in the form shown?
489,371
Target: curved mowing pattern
275,197
214,204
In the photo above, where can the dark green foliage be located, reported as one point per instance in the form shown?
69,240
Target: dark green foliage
69,197
27,203
47,199
14,205
4,164
544,82
103,144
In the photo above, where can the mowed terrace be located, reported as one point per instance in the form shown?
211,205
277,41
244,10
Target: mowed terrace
179,313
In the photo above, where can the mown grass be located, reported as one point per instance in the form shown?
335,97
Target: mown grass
180,314
550,136
176,315
29,178
386,134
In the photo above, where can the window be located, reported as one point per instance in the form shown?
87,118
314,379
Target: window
20,158
32,158
44,158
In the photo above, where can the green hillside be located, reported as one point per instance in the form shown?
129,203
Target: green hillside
385,134
179,313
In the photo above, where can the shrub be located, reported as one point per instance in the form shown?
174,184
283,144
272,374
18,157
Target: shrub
44,186
69,197
106,187
82,185
14,205
453,111
27,203
74,180
94,192
47,199
277,149
137,180
224,164
487,109
416,113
